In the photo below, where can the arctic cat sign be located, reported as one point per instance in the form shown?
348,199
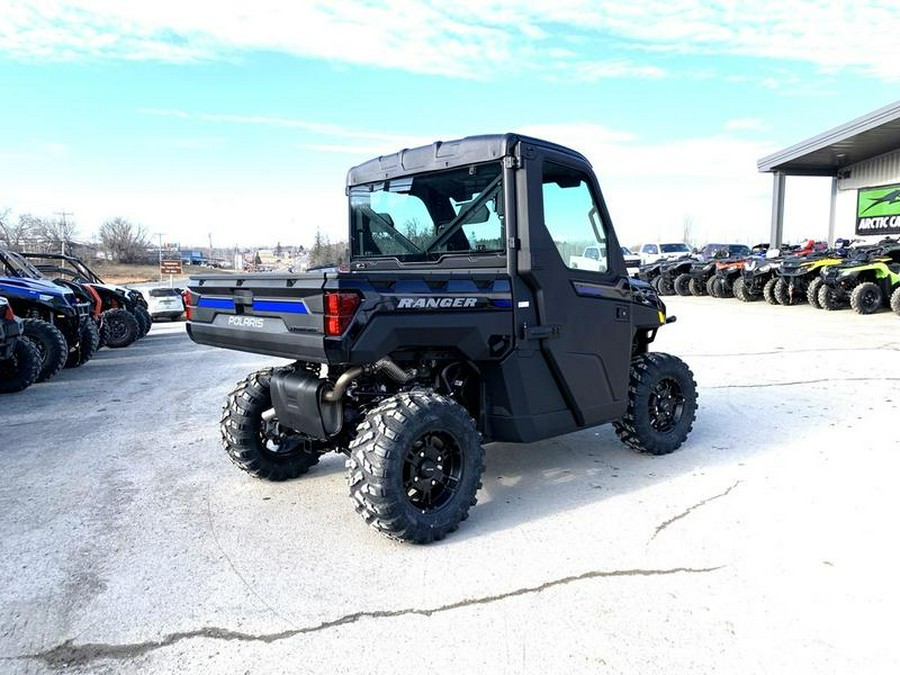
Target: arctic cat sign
878,210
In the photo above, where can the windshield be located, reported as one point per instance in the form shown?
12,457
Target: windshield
426,217
675,248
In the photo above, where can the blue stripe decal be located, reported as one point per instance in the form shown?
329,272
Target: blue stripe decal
501,303
285,306
216,303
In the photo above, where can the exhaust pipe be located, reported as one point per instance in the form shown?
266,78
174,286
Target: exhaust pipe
385,365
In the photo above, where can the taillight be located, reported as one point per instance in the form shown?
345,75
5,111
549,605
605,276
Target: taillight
340,308
187,299
8,313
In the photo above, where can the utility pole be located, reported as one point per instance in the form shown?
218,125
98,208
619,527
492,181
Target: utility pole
65,232
210,248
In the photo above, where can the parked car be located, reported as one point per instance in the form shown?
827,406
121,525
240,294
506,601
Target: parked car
164,303
656,251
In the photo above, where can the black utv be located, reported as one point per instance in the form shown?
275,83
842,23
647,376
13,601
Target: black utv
459,322
124,316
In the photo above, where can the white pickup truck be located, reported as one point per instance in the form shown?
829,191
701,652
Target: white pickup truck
593,258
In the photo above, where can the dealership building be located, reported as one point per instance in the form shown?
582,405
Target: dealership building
862,158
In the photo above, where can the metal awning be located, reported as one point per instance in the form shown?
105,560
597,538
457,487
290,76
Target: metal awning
826,154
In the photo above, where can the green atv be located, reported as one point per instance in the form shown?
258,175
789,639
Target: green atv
868,284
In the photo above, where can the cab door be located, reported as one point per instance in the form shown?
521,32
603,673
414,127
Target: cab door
581,318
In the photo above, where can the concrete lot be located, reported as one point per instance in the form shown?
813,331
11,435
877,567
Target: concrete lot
130,544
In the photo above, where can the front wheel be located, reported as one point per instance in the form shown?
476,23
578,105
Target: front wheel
697,287
51,345
145,321
895,301
866,298
769,291
121,328
260,446
829,298
683,284
662,404
742,292
415,466
812,292
21,370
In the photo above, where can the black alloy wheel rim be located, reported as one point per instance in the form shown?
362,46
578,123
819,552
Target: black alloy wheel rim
868,300
117,330
666,405
432,470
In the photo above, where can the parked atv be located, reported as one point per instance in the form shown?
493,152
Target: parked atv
799,277
19,359
868,281
124,317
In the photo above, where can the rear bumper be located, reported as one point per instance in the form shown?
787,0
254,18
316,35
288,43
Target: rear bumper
270,340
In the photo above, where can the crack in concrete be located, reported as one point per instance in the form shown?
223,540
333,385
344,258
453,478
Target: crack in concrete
693,508
798,382
69,654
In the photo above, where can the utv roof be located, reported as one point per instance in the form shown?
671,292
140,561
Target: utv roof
447,154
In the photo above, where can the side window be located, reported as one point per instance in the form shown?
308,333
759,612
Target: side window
572,218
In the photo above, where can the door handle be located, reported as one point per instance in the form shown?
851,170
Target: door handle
541,332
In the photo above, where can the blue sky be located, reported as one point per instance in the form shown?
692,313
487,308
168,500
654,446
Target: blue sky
241,121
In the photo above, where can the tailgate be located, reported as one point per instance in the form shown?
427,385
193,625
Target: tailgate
279,315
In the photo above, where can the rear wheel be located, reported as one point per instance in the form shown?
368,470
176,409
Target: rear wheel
866,298
260,446
51,344
769,291
20,370
812,292
662,404
415,466
683,284
895,301
121,328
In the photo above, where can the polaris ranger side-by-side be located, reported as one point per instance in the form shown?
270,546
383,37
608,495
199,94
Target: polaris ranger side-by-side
460,321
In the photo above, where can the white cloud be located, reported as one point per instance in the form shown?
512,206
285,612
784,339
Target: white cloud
469,38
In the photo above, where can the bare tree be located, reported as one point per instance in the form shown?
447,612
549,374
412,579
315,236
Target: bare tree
14,234
55,234
124,241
